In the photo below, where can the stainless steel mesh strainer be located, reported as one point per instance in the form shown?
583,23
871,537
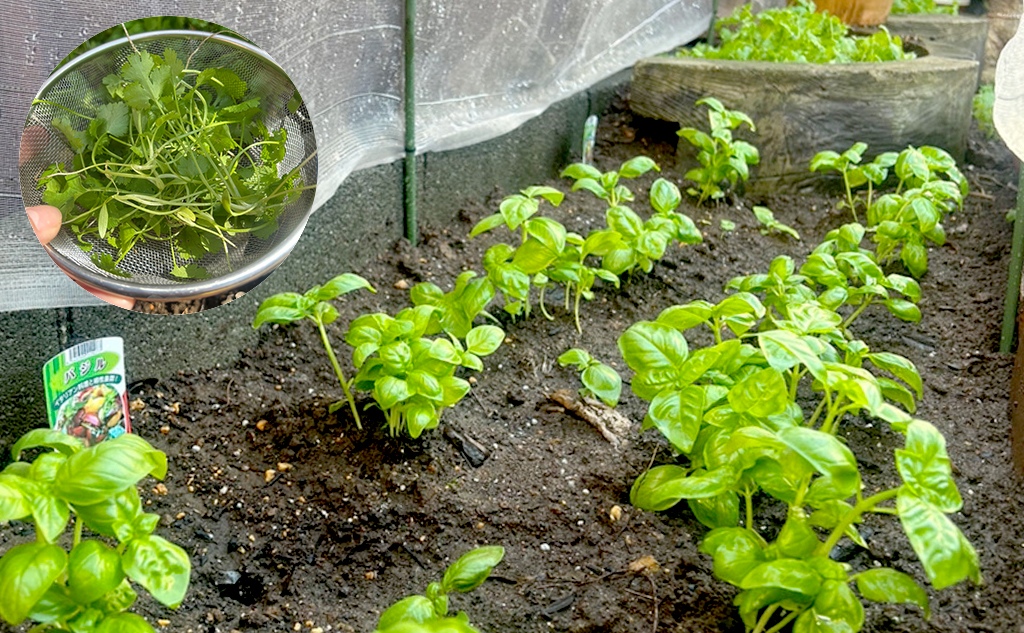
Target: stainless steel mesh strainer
78,86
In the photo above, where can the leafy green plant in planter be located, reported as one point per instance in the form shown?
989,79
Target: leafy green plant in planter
411,377
429,613
924,6
722,158
86,589
598,379
289,307
796,33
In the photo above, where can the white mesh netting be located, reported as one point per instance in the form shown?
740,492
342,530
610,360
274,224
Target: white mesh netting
482,69
1008,110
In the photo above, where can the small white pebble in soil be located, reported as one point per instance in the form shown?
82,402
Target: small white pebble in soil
196,448
544,547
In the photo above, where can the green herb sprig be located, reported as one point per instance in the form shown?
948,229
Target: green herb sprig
177,155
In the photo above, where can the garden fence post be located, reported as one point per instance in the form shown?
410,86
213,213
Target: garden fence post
409,95
1013,278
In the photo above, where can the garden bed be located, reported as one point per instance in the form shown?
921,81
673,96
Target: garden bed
348,522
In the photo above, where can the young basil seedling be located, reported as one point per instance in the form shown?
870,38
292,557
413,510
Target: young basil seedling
177,156
85,589
289,307
765,216
457,309
411,377
598,379
429,613
722,158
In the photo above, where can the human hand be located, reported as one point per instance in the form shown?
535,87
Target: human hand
46,220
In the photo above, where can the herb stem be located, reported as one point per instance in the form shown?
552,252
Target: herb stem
68,110
856,313
338,372
784,621
543,310
762,622
817,412
576,308
865,505
748,499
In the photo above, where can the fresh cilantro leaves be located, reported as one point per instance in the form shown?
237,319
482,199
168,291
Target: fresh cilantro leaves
175,156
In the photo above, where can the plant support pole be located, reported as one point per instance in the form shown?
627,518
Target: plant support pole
711,26
1013,278
409,171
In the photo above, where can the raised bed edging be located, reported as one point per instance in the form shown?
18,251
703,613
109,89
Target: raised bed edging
952,36
802,109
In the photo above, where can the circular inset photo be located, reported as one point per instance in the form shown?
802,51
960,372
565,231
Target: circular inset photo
178,163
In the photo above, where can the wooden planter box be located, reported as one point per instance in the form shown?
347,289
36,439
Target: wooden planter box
952,36
802,109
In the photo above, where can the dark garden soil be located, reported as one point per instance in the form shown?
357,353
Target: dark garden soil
295,520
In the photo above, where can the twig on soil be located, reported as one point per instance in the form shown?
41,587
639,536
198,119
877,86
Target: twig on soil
612,425
411,554
650,464
982,195
489,411
227,392
654,596
1009,185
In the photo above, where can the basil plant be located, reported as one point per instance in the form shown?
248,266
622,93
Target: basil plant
89,587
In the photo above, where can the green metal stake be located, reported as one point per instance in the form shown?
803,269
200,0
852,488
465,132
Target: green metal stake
714,18
409,177
1013,279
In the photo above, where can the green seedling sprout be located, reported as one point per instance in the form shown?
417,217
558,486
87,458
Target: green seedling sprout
428,612
598,379
289,307
722,158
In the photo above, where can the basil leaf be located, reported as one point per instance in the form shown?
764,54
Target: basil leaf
161,567
26,574
889,585
472,569
946,554
94,569
93,474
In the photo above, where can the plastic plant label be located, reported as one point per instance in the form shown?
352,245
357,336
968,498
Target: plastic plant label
86,392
